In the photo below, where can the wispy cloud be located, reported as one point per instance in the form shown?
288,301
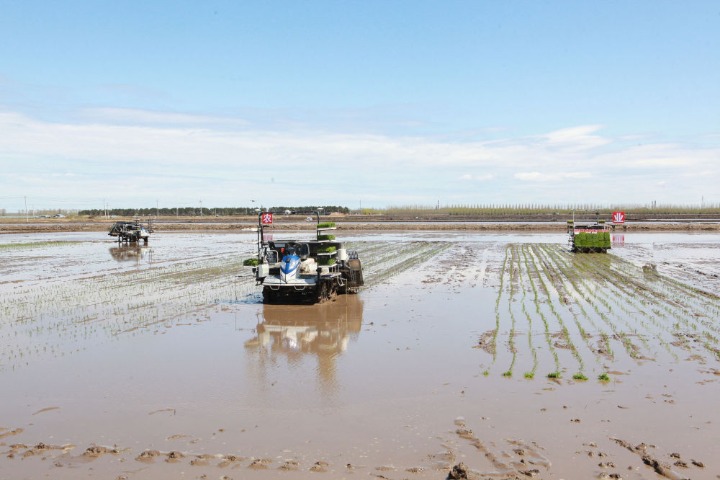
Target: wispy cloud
144,117
484,177
551,177
576,138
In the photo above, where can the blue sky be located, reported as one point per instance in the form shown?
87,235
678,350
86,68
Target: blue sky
372,103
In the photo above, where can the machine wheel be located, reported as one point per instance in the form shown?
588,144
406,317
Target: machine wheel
326,291
269,296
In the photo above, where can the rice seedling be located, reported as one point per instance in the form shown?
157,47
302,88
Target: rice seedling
512,286
667,314
531,347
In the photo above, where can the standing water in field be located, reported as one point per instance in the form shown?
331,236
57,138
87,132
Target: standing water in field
506,353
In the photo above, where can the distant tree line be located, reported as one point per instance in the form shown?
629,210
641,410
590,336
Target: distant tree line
204,211
479,210
546,209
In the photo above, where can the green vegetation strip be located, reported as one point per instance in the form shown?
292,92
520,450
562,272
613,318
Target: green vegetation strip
28,245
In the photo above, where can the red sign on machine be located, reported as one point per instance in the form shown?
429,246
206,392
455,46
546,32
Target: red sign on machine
618,217
266,218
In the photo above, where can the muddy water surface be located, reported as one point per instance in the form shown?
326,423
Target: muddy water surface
161,362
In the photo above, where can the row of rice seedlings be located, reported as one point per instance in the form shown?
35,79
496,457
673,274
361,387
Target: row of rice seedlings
530,373
535,272
526,282
479,273
498,299
703,307
622,335
550,273
628,291
677,300
623,292
379,253
656,297
398,258
35,245
576,291
118,303
586,281
547,333
557,282
590,268
582,286
512,285
566,289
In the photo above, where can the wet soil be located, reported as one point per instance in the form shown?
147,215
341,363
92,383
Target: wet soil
467,355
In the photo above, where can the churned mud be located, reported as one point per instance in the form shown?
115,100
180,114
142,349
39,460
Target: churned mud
468,355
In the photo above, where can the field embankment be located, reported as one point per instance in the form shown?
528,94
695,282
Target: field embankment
539,223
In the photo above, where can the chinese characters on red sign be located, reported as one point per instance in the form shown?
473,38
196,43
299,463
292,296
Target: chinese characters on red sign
266,218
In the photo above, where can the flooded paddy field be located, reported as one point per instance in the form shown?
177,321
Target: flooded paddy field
500,352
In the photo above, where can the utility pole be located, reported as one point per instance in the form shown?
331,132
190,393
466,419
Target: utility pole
26,212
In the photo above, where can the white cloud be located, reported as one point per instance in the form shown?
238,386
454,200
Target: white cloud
141,157
551,177
477,178
145,117
576,138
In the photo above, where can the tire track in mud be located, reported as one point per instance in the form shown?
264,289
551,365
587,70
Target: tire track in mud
506,460
463,454
509,459
593,306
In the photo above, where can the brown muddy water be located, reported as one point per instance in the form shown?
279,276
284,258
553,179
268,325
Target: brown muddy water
502,352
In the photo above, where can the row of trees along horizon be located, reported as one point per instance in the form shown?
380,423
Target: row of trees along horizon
465,210
195,211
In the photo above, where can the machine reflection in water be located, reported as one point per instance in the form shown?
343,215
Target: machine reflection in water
298,331
131,253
